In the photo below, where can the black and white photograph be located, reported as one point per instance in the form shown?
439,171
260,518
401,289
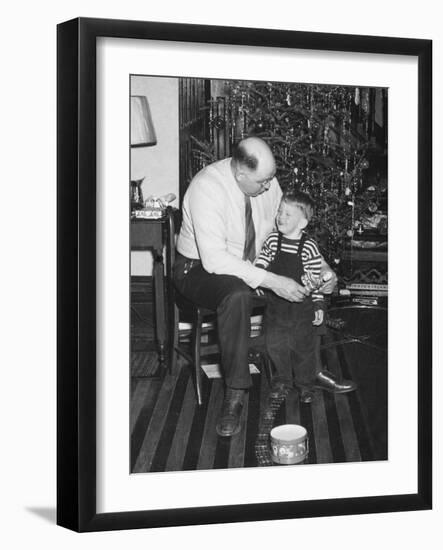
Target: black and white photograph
258,273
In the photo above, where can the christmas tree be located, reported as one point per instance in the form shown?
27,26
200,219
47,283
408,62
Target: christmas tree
320,136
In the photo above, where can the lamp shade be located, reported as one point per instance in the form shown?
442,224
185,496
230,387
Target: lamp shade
142,128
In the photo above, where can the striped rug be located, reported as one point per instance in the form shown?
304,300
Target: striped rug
170,432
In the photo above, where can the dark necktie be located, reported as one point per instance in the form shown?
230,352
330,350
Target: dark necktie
249,251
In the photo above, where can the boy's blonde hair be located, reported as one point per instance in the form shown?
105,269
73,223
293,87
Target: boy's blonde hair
302,200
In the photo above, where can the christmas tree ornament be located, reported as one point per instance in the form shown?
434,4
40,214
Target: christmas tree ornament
218,122
260,125
364,164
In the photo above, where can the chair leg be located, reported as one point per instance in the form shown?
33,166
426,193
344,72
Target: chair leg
267,364
197,331
174,343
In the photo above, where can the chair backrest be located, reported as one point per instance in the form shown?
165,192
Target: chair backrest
188,308
172,226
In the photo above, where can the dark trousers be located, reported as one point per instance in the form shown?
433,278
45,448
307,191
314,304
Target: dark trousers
292,341
232,300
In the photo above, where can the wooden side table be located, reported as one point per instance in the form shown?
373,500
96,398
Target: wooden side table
153,235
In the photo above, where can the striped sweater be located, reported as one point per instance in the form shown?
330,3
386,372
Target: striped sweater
311,257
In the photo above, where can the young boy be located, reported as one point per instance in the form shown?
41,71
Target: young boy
291,328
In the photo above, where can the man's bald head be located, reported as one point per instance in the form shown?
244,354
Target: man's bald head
252,152
253,165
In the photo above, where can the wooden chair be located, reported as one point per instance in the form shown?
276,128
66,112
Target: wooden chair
181,308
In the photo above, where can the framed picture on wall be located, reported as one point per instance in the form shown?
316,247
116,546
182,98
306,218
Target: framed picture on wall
145,112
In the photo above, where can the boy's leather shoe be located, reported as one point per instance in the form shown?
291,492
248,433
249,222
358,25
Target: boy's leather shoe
229,422
306,396
327,381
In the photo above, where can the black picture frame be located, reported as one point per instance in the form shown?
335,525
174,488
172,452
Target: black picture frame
77,248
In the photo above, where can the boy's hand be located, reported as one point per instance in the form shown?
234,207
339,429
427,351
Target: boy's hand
318,319
329,285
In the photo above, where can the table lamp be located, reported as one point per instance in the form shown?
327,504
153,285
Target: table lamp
142,135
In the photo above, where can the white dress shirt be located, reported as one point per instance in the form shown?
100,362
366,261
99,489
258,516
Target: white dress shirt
213,225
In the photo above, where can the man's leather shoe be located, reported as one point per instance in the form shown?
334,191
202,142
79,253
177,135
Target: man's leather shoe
229,422
327,381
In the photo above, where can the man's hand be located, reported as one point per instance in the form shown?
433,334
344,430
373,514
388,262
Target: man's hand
285,287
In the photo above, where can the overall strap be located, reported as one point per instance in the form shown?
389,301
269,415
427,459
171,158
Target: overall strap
303,239
279,241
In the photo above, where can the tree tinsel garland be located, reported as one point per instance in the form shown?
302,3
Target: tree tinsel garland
319,136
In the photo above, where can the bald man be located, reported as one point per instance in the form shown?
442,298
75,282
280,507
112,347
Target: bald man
213,268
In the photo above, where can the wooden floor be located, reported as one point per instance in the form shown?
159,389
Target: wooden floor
170,432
